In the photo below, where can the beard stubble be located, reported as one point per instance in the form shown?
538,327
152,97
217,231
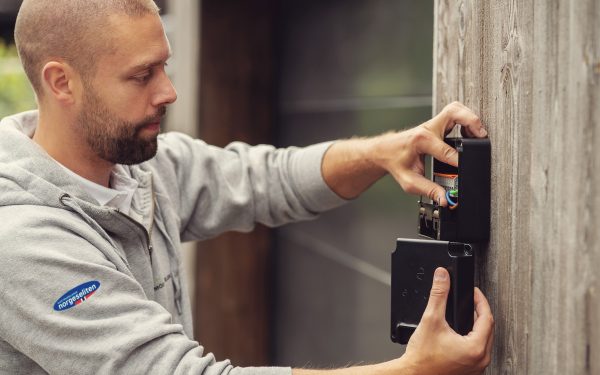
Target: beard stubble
113,139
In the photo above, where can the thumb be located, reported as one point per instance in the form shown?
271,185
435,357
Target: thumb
439,293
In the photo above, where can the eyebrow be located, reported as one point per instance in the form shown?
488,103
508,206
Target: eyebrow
149,64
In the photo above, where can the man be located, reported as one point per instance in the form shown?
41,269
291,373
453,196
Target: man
94,205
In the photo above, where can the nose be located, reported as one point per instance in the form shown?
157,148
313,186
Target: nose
166,93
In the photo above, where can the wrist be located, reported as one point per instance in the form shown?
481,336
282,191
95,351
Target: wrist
382,151
399,366
348,167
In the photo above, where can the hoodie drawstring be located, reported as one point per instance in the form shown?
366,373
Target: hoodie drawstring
67,201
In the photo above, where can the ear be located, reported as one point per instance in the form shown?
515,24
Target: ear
58,79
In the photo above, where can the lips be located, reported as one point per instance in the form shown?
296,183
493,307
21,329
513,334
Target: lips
153,123
153,126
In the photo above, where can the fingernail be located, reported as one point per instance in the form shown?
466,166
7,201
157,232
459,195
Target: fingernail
439,275
482,132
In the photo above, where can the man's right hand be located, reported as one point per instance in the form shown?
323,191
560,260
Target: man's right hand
435,348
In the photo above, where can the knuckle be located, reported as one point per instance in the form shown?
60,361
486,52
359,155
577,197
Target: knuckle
432,193
454,107
481,367
486,360
448,152
420,135
488,320
477,354
437,291
428,318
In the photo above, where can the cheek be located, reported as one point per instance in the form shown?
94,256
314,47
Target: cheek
131,105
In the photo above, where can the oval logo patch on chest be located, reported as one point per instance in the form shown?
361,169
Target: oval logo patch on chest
76,295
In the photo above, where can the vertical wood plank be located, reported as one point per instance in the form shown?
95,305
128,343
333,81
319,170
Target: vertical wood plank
565,256
507,96
446,59
538,93
547,178
592,235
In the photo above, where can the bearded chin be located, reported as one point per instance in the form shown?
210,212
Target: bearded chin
114,140
129,151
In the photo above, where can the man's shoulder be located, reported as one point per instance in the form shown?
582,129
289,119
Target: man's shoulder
174,139
41,232
177,152
21,222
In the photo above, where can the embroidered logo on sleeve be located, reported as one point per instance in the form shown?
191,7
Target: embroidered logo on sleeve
76,295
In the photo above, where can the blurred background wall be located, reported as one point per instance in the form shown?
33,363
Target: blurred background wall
15,92
350,67
291,72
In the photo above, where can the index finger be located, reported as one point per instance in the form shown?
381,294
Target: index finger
485,322
457,113
440,150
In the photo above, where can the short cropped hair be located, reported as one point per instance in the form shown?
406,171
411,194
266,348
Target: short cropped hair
70,30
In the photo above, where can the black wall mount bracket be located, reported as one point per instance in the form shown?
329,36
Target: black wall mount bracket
413,264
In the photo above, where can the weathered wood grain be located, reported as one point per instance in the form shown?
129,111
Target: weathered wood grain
530,70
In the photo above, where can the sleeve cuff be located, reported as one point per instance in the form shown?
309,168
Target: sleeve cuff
307,176
262,371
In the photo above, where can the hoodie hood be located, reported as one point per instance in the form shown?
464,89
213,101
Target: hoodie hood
28,175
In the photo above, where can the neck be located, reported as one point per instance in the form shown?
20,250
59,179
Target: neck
66,145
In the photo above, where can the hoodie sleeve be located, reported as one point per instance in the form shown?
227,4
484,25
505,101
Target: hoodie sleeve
221,189
70,310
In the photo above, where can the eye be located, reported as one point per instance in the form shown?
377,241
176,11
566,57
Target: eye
142,77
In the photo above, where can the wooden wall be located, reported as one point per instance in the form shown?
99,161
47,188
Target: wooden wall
531,70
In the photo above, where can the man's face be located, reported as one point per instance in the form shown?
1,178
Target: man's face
123,103
115,139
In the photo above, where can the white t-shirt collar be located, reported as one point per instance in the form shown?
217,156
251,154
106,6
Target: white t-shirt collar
118,196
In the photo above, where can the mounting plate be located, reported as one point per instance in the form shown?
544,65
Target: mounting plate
413,265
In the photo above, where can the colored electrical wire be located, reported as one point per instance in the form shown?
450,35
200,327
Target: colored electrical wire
447,175
451,202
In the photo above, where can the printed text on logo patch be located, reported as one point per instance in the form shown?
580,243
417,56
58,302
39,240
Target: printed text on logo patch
76,295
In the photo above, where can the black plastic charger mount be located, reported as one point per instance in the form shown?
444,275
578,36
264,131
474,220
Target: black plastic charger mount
413,265
451,236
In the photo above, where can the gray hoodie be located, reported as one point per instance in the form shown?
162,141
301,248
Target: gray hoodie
87,289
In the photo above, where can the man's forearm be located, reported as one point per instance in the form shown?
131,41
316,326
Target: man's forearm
395,367
348,167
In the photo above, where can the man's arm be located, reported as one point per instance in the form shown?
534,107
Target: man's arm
435,348
351,166
215,190
117,330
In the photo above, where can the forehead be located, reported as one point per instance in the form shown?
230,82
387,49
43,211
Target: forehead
135,41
